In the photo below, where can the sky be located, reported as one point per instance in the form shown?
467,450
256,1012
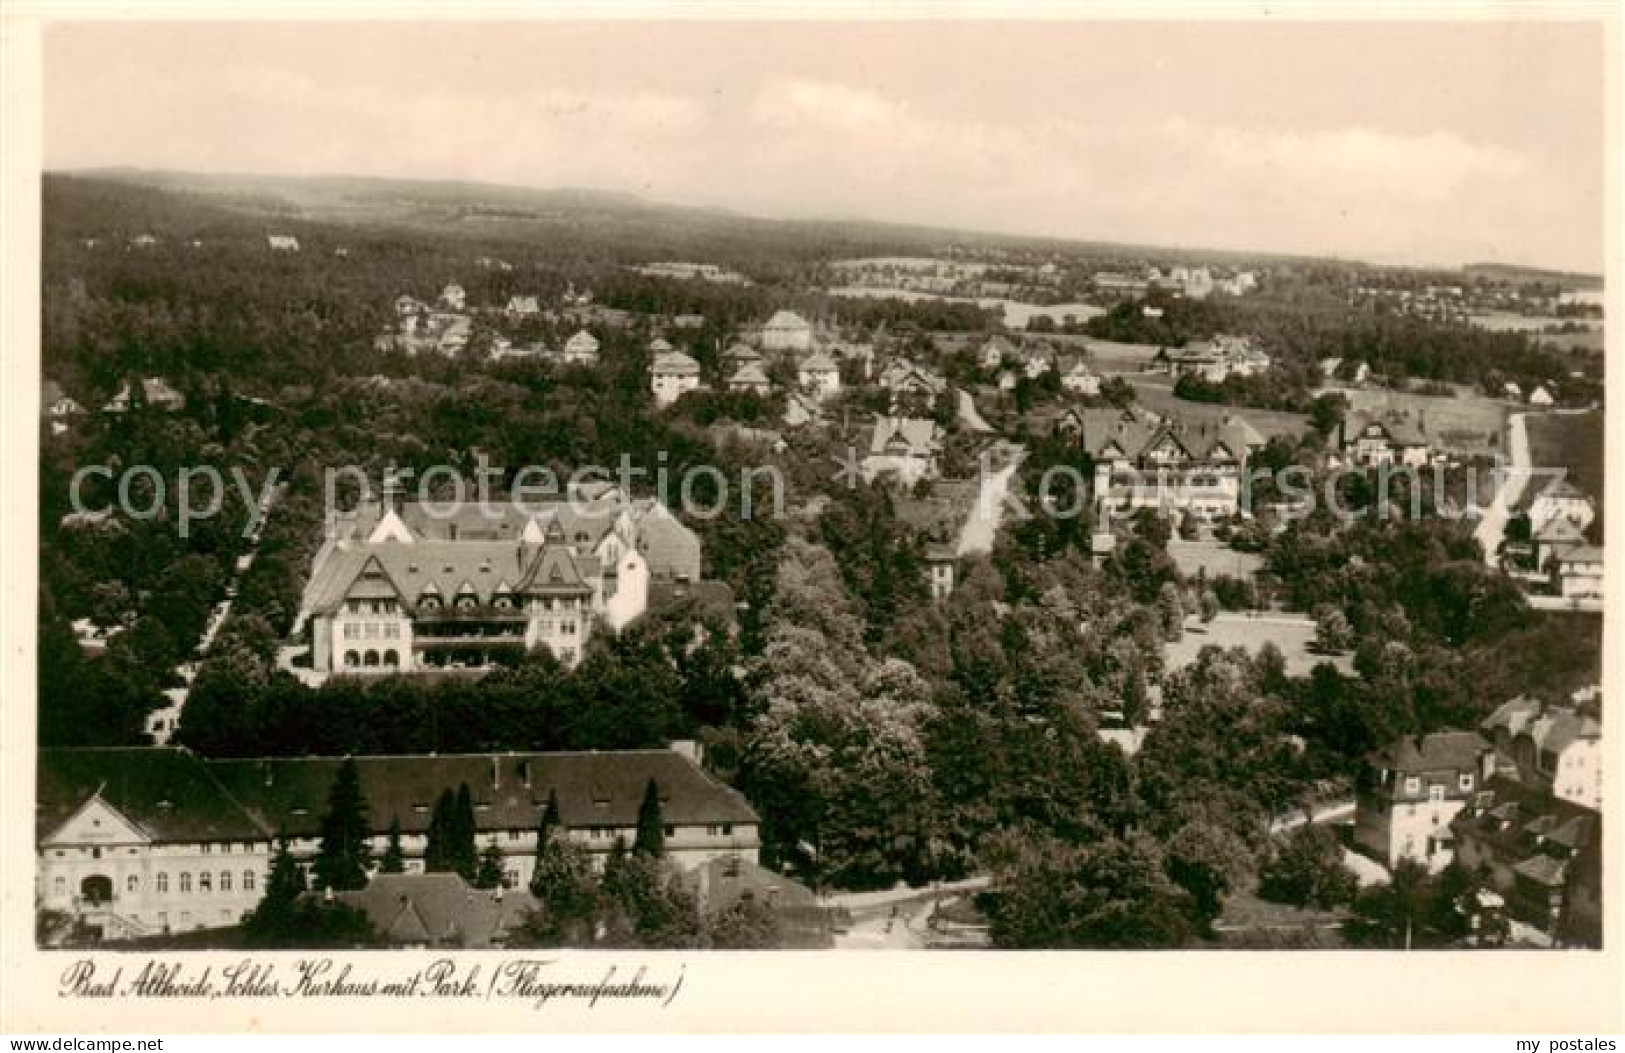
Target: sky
1398,142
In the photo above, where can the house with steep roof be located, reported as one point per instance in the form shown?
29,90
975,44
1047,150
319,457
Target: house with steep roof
819,376
1555,748
750,379
437,910
1556,538
721,884
1561,499
1167,466
1541,396
453,297
1577,573
1079,378
581,349
903,449
1408,792
912,383
1543,854
672,375
399,588
787,331
141,842
1371,439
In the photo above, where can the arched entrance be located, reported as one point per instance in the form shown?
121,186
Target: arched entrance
96,889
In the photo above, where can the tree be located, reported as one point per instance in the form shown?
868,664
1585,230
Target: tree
1109,894
1394,915
462,853
450,844
564,882
491,872
651,836
747,925
1327,411
1333,633
341,861
394,859
272,921
1308,871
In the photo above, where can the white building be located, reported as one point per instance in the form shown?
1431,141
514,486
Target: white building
414,587
1410,792
787,331
1555,748
453,298
672,375
819,376
581,349
282,242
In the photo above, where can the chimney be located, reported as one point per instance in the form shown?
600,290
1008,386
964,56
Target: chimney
496,772
524,772
392,489
327,894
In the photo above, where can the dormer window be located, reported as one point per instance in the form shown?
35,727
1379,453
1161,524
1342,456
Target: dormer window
467,603
430,603
1413,784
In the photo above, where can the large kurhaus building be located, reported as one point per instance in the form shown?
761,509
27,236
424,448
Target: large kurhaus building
1166,465
137,842
413,587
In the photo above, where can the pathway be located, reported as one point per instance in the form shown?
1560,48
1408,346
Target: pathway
982,524
1491,528
161,723
969,416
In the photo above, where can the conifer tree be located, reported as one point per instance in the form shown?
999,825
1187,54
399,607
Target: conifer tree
651,836
341,862
437,852
394,859
464,856
490,873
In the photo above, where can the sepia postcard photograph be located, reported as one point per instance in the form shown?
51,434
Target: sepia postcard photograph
521,504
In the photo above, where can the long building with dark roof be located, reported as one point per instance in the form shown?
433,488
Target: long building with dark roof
141,841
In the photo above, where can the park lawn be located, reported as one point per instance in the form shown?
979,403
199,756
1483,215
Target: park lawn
1214,558
1569,440
1292,633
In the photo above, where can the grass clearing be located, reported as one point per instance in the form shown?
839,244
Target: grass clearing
1294,634
1569,440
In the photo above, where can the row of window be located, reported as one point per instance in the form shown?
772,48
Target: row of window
1413,785
372,630
206,882
372,659
370,606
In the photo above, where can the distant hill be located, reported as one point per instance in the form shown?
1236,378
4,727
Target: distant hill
618,219
1512,273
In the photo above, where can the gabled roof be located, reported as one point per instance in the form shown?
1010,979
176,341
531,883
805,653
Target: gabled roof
438,908
1400,429
444,568
674,363
818,362
603,789
1559,529
749,373
166,792
1440,751
920,436
786,320
1582,554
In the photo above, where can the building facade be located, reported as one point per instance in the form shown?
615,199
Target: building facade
142,841
401,588
1409,792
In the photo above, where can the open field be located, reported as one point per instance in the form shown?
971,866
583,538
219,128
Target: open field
1569,440
1469,424
1293,634
1016,314
1213,557
1157,393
